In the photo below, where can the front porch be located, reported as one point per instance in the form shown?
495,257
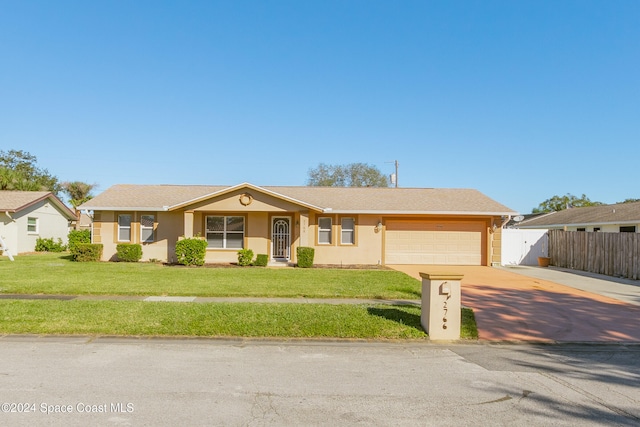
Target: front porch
276,234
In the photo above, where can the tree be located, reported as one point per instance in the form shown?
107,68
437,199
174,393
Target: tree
629,201
351,175
79,192
18,171
7,178
558,203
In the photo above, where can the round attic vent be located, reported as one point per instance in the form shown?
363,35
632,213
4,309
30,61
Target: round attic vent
246,199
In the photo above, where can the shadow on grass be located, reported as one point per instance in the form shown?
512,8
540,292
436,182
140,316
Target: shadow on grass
396,315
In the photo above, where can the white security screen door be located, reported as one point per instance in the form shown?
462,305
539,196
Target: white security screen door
281,238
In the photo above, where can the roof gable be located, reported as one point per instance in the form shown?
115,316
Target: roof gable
242,187
16,201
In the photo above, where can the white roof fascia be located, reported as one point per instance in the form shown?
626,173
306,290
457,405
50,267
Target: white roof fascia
384,212
122,209
580,224
247,185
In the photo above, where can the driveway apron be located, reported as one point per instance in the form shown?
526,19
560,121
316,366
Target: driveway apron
512,307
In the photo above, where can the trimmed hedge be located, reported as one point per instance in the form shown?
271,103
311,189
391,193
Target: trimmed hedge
78,236
129,252
245,256
191,251
261,260
85,252
305,256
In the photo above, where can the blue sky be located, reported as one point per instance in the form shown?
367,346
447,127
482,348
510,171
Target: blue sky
521,100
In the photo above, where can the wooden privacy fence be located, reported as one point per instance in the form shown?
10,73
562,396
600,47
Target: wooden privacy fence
613,254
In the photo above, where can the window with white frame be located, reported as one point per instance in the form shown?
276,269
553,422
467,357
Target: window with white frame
32,225
324,231
225,232
124,228
348,233
146,228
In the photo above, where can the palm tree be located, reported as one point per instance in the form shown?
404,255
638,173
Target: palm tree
23,184
79,192
8,178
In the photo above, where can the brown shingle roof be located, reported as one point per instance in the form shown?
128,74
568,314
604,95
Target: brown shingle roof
156,197
364,199
15,201
336,199
604,214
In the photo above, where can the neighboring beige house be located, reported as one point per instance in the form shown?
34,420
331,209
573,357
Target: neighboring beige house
27,215
344,225
621,217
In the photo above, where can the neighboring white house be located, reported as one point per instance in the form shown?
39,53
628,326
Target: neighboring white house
27,215
621,217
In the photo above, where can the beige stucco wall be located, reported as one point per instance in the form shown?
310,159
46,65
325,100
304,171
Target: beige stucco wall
495,237
167,229
256,237
191,222
369,247
230,202
366,250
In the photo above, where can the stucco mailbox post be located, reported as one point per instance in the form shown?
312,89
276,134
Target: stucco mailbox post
440,313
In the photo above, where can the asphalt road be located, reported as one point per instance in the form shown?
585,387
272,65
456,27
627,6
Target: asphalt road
110,381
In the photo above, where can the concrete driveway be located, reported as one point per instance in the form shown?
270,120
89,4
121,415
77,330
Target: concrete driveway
515,307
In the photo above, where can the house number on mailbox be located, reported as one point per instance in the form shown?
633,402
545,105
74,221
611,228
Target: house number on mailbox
445,289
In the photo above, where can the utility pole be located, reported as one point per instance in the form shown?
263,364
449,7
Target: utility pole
396,163
394,176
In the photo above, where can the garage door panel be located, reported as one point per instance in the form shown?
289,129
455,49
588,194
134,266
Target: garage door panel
415,242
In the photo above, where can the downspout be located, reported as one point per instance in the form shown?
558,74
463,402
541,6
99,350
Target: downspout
505,221
9,215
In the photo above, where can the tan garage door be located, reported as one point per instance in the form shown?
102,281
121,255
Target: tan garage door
433,242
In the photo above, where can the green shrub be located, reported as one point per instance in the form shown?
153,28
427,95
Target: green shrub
191,251
49,245
305,256
85,252
261,260
245,256
78,236
129,252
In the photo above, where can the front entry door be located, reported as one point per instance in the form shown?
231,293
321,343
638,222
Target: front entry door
281,238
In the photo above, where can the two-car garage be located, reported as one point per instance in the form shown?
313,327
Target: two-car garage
435,242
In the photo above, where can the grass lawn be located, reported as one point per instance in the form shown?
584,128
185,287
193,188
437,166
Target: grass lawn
57,274
216,319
